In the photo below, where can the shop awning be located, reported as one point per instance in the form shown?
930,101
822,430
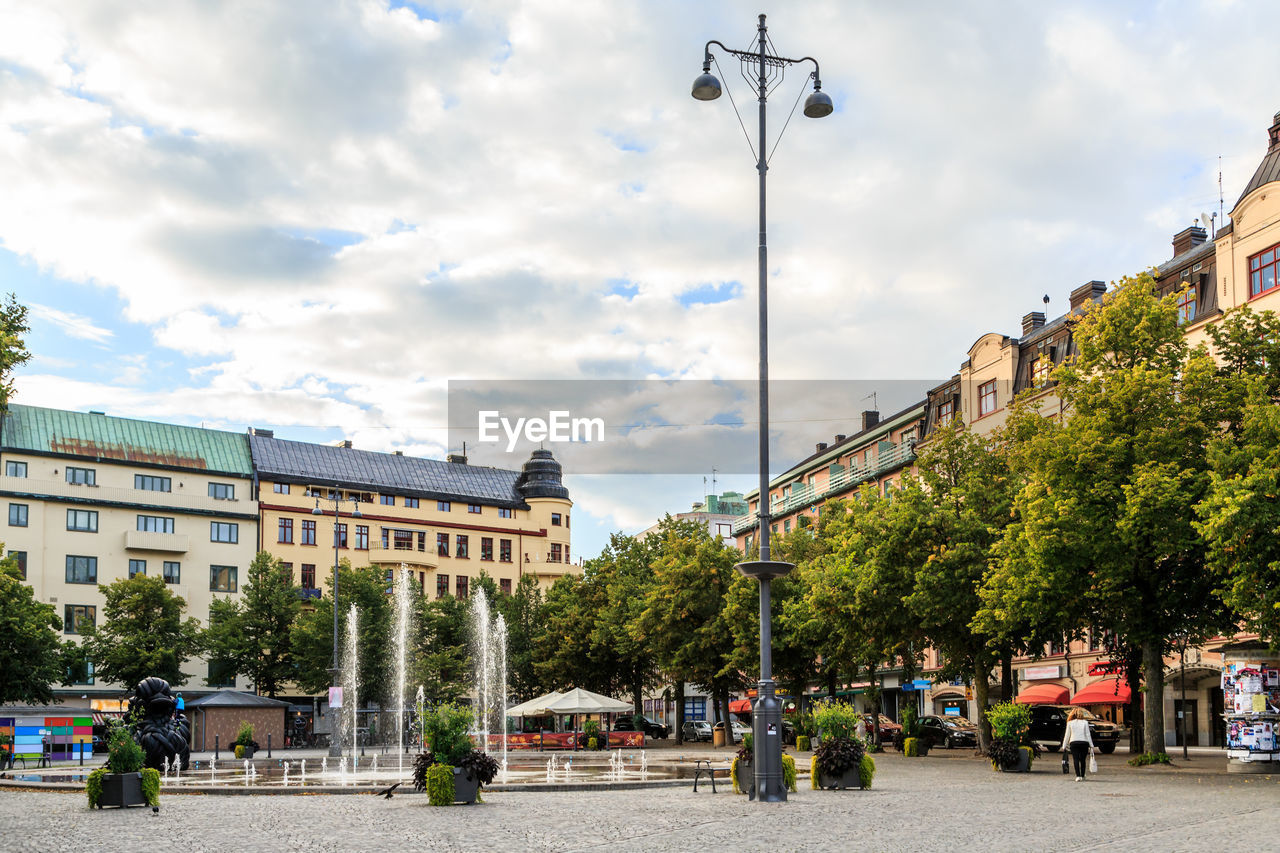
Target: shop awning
740,706
1043,694
1108,691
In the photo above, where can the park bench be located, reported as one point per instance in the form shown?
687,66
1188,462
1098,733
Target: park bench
706,766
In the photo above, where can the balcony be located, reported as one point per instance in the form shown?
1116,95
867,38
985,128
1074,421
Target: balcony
114,494
407,554
743,524
895,457
138,540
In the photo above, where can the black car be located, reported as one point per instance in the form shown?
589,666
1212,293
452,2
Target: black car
948,732
1049,724
639,722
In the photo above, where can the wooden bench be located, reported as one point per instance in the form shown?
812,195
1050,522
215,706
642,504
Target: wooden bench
705,765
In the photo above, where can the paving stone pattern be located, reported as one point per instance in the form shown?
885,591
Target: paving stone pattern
916,804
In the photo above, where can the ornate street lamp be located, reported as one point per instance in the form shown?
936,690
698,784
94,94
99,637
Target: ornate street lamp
335,670
763,68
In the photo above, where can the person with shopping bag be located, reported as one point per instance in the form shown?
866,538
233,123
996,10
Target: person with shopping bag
1079,740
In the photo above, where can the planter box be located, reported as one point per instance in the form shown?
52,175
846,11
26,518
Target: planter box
849,780
465,786
1023,764
745,776
121,790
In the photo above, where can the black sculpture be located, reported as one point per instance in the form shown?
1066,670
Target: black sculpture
162,733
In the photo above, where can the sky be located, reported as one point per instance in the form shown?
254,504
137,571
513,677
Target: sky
315,217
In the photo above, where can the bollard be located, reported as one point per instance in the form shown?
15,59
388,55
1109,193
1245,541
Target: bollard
268,744
215,747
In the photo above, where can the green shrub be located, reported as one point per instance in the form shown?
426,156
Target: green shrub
123,753
1009,721
748,742
813,772
151,786
910,747
440,789
591,728
421,764
789,772
866,771
838,754
244,737
592,743
446,729
93,786
837,720
802,743
803,724
1150,758
239,751
733,774
479,766
910,723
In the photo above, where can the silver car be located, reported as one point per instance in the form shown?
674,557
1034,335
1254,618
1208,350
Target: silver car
696,730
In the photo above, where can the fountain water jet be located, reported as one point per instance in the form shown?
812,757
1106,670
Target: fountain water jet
351,677
489,635
402,657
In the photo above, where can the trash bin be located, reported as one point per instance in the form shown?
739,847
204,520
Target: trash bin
717,736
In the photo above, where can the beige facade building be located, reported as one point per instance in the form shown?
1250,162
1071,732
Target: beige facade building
90,499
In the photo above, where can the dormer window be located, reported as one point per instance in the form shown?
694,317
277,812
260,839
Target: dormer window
1187,305
1040,370
986,398
1262,272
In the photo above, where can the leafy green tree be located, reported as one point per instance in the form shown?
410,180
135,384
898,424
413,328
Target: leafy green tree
142,633
567,654
523,610
32,655
312,634
253,636
624,571
442,656
13,347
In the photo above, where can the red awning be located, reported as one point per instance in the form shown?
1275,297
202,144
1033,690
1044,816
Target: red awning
1043,694
740,706
1108,691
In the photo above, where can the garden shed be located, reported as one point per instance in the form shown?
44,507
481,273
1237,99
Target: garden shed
219,716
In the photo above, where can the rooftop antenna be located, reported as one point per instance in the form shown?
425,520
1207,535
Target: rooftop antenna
713,482
1046,299
875,404
1221,215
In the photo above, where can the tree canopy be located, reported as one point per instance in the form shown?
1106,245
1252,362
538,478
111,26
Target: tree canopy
142,633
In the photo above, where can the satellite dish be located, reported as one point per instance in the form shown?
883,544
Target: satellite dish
1207,222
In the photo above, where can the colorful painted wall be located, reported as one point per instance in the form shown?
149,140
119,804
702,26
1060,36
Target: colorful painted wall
67,735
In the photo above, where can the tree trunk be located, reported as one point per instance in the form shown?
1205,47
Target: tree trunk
1153,675
981,675
1006,677
1133,716
637,688
728,722
873,694
679,712
715,709
831,683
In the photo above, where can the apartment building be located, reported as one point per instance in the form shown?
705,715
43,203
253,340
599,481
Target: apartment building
91,499
717,513
447,521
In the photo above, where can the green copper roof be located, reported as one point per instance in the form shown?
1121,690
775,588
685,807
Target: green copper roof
94,436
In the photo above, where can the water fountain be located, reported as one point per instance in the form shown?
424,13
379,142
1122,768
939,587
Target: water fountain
351,678
402,662
490,638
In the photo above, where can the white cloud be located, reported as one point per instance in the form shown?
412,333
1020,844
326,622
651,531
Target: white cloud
71,324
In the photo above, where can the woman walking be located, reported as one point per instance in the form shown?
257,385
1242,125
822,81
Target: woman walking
1078,739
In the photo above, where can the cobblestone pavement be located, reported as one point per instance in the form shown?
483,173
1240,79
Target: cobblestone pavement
916,804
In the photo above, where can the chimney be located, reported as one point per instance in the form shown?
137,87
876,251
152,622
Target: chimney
264,433
345,443
1087,292
1031,322
1187,239
397,453
840,437
456,458
820,446
870,419
1273,135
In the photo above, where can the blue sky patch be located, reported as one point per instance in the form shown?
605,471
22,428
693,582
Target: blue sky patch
422,11
622,287
710,294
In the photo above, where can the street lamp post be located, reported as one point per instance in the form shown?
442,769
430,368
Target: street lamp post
335,749
763,65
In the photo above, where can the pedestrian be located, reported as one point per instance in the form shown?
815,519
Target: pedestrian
1078,739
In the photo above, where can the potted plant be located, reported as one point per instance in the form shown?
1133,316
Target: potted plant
245,744
591,734
124,781
451,770
840,760
912,744
743,770
1010,724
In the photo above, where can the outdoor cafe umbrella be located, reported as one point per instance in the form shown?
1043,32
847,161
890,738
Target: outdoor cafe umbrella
579,701
535,707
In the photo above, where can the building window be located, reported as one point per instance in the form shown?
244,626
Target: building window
80,671
362,537
504,586
284,531
503,512
786,526
82,477
695,709
442,586
504,550
387,500
443,506
82,569
555,552
222,531
442,544
15,469
486,548
422,540
462,586
473,509
1040,371
222,491
155,524
308,532
461,551
17,515
172,572
280,488
411,503
222,578
137,567
1263,271
986,398
78,616
566,552
402,540
340,535
1187,305
566,521
221,674
555,519
147,483
1057,647
20,558
83,520
308,576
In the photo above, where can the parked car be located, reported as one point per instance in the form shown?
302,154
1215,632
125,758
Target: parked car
949,732
739,729
639,722
1049,724
888,728
696,730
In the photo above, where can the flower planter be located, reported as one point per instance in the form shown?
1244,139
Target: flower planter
121,790
849,780
744,775
1022,765
465,786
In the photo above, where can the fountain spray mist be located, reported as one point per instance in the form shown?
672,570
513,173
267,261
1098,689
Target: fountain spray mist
351,676
402,657
489,636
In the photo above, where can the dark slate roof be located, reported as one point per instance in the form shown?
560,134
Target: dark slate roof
95,436
235,699
1205,248
1268,171
385,473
